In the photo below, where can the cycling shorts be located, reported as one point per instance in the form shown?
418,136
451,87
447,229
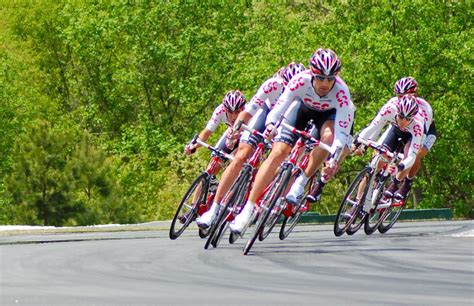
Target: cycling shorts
298,115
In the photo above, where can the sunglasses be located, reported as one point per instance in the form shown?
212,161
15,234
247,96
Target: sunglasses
323,77
404,117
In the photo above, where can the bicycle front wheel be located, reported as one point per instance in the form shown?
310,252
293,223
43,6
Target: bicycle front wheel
351,205
188,207
290,220
233,197
273,195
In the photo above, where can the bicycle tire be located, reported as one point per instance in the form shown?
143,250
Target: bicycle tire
374,218
276,190
391,215
289,222
239,183
342,223
175,232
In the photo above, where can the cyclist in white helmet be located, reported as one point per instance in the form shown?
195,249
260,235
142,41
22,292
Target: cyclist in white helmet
256,110
318,94
405,132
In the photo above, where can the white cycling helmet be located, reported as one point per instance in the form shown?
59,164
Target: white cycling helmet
233,100
407,107
407,85
324,62
291,70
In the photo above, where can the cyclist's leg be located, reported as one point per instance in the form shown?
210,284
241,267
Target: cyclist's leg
325,124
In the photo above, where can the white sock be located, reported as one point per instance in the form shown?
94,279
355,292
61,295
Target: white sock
214,207
302,179
249,205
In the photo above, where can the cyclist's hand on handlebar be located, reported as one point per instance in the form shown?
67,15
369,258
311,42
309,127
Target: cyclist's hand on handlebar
189,149
270,131
358,149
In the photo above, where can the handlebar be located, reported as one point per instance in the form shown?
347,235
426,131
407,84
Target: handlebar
218,151
379,148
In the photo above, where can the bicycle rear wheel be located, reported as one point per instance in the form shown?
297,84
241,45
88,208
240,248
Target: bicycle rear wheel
187,211
390,216
273,195
349,209
374,217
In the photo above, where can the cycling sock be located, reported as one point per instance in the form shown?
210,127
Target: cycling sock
302,179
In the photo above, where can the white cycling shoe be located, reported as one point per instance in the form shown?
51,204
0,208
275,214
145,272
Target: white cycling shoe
295,194
242,219
206,219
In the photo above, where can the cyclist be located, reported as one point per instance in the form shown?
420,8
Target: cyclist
226,112
257,109
405,130
318,94
408,85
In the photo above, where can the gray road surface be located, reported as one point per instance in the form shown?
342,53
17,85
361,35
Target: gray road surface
416,263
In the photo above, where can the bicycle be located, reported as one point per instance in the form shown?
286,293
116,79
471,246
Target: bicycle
200,194
364,200
273,202
237,195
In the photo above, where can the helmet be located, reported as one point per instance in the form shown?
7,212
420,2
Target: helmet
405,86
291,70
233,100
280,72
324,62
407,106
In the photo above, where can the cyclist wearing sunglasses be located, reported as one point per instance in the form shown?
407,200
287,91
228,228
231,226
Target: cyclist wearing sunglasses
405,131
256,111
318,94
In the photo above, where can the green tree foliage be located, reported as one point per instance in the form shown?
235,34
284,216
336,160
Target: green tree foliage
141,78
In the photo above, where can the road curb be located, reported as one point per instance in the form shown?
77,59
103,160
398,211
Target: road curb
407,214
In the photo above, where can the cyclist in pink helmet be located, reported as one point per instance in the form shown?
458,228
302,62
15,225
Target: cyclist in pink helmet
256,111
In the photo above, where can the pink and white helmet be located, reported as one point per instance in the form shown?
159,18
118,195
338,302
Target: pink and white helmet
233,100
406,85
324,62
291,70
407,107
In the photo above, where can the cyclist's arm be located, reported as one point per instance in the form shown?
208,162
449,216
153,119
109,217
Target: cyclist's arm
344,120
296,88
415,144
386,114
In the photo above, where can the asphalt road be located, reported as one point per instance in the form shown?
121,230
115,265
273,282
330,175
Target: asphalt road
415,263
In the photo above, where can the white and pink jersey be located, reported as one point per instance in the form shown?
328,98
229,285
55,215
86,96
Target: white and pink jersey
387,115
424,110
301,88
219,115
267,95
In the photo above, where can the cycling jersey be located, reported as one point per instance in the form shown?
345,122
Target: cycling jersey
219,115
267,94
259,107
387,115
300,88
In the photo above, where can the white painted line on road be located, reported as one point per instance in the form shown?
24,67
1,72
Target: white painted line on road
465,234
